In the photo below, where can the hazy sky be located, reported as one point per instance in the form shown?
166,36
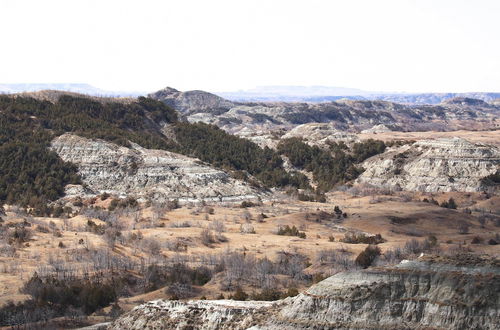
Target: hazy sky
382,45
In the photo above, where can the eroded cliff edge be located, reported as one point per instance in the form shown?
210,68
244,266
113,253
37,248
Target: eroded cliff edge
152,174
431,293
433,166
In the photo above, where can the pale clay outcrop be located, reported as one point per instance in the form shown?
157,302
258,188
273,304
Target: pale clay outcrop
412,295
377,129
433,166
352,115
155,174
320,134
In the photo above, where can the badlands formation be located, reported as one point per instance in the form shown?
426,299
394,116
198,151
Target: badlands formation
352,115
441,165
157,175
423,294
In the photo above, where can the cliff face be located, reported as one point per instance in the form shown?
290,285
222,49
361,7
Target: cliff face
421,294
414,295
205,314
320,134
433,165
156,174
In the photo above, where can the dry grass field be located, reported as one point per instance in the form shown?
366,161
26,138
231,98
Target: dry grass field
194,234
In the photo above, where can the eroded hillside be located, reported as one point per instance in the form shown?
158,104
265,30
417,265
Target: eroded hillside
460,113
424,294
433,166
154,175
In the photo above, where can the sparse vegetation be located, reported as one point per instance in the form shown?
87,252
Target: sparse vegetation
360,238
492,180
367,256
221,149
290,231
463,227
449,204
329,168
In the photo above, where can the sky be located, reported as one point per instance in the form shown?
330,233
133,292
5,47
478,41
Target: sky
227,45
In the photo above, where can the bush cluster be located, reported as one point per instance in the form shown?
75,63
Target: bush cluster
355,238
290,231
223,150
329,167
367,256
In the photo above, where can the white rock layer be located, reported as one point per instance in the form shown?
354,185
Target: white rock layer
433,166
412,295
155,174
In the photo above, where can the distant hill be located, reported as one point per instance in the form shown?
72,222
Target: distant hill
318,94
290,93
425,98
192,101
354,115
75,88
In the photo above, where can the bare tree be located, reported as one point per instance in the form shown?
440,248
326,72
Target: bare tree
218,226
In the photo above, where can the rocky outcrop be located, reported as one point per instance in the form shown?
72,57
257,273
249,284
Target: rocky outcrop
432,166
353,115
192,101
153,174
423,294
205,314
377,129
320,134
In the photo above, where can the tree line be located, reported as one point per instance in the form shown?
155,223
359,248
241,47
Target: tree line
335,165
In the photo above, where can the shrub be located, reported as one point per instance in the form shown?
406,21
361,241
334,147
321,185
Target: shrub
367,256
114,204
361,238
477,240
247,228
239,295
463,227
290,231
246,204
105,196
268,294
157,276
179,224
180,291
21,235
88,294
207,237
95,228
336,259
450,204
492,180
218,226
42,229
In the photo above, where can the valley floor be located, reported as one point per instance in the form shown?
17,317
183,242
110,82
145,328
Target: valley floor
201,235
